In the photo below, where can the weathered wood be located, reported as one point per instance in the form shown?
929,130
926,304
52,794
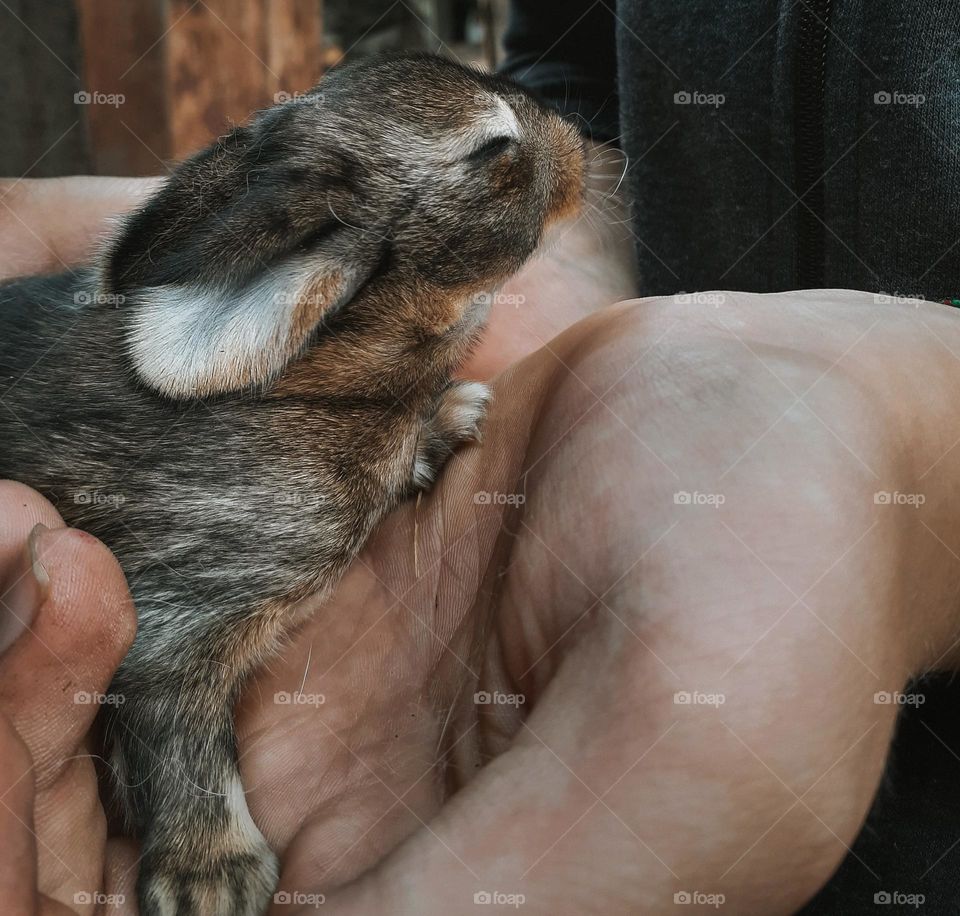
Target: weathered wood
294,45
216,68
186,72
39,74
122,57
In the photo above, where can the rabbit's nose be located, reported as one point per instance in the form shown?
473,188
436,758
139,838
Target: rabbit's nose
569,166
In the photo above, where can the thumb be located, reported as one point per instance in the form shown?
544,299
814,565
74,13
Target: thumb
18,863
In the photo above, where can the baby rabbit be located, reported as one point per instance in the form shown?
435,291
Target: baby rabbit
257,371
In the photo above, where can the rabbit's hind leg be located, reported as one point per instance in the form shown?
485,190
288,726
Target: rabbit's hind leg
173,740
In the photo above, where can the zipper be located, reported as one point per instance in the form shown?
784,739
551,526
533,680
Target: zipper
809,98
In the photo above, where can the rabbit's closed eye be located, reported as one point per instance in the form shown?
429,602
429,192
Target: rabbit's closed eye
492,148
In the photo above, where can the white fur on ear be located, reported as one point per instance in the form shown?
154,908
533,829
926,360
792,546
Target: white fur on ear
504,121
190,341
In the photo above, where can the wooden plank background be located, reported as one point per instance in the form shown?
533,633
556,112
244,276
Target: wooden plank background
189,71
168,76
178,73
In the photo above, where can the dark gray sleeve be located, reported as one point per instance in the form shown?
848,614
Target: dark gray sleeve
564,51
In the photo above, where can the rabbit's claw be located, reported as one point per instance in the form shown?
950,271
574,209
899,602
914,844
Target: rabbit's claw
235,885
457,420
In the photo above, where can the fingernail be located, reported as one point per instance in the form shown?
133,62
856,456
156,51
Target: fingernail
36,560
28,587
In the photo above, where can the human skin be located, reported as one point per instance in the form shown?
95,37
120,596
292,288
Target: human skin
599,598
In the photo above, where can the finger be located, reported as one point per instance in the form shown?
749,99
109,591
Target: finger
18,852
66,592
18,861
52,223
120,876
50,907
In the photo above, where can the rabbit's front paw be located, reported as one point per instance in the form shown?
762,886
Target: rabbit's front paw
180,884
457,420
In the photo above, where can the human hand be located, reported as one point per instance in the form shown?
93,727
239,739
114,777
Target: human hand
602,595
52,224
66,619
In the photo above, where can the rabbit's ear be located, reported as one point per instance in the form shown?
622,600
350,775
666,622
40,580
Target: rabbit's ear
189,341
225,274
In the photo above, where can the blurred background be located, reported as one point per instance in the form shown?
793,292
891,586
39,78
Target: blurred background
125,87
